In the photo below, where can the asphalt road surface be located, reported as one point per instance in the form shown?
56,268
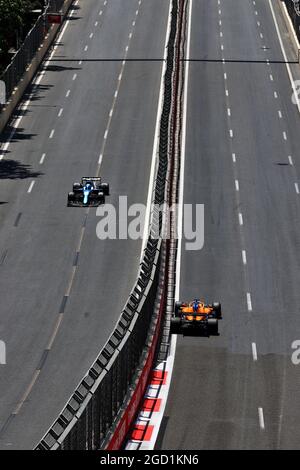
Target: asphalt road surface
58,307
240,390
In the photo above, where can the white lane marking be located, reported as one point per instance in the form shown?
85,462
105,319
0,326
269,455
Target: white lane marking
268,61
234,158
244,257
284,135
275,95
68,93
220,12
231,133
295,94
31,186
120,77
116,93
249,302
111,112
100,12
137,12
222,47
51,134
130,35
254,351
256,12
237,185
91,35
271,77
280,114
60,112
126,49
106,134
261,35
133,23
258,23
96,24
241,221
227,92
42,158
100,159
297,188
74,76
229,112
86,48
220,22
261,418
80,62
225,76
290,160
156,134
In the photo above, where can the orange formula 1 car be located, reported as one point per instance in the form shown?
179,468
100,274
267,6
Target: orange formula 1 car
196,318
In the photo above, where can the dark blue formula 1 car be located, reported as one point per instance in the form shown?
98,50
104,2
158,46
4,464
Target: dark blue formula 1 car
90,192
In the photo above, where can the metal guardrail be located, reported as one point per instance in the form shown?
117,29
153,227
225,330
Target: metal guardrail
23,57
101,397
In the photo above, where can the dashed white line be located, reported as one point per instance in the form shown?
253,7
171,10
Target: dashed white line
60,112
74,77
100,159
31,186
68,93
284,135
106,134
100,12
249,302
271,77
234,158
237,185
86,48
91,35
222,47
280,114
116,94
254,351
231,133
51,134
244,257
42,158
227,92
297,188
261,418
111,113
290,160
225,76
241,220
258,23
261,35
96,24
229,112
275,94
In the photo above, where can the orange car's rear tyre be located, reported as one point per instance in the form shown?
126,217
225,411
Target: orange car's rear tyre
217,309
175,325
213,327
177,311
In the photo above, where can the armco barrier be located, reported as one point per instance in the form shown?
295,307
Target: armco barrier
101,409
27,60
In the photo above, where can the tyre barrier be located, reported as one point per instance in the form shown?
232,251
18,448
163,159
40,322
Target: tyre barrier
101,410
